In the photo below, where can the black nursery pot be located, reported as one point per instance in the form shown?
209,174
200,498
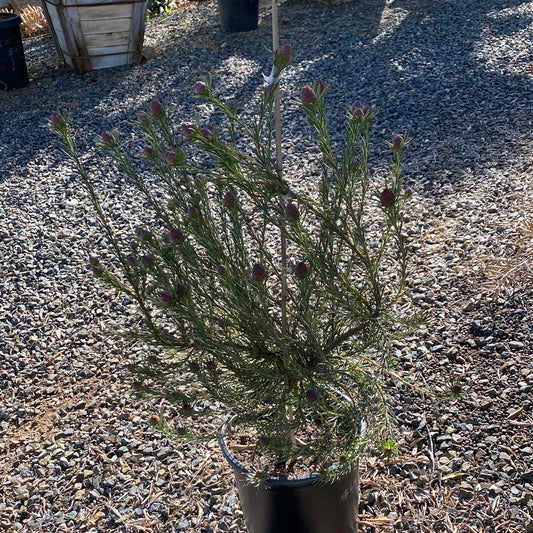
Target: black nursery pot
13,72
238,15
300,505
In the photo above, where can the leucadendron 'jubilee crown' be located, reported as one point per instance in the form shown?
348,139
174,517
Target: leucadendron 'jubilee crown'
273,301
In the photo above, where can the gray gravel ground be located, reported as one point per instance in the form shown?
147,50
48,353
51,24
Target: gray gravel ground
77,452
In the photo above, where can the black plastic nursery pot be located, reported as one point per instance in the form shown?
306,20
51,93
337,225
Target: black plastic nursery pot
13,72
299,505
238,15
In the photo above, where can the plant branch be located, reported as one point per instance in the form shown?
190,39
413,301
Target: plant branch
345,336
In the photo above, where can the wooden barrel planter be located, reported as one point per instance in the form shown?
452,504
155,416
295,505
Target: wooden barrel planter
94,34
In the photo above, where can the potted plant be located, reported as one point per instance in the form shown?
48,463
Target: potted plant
276,303
95,34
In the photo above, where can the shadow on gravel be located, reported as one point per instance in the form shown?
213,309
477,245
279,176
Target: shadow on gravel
454,75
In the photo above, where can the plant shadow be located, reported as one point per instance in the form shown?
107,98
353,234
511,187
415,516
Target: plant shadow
426,66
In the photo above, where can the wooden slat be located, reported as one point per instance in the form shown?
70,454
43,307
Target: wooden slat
95,40
55,22
108,61
106,26
97,13
137,31
77,47
108,50
75,4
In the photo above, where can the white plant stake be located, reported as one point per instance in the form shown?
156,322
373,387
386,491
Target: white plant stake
279,160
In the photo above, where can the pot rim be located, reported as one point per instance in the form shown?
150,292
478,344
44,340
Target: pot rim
276,480
9,20
280,481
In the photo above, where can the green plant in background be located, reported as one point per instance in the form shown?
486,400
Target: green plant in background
157,7
275,303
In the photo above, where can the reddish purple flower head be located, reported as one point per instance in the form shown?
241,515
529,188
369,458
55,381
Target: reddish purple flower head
148,151
172,158
301,270
207,132
181,290
201,88
285,53
386,197
156,109
232,105
310,395
229,200
165,297
176,236
57,120
319,86
456,389
187,129
360,112
146,261
143,234
397,142
108,138
307,95
258,272
196,198
291,212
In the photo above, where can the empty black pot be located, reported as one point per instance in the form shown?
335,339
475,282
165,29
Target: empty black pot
238,15
301,505
13,72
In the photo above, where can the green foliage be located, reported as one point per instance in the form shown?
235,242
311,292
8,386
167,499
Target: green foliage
278,305
157,7
388,448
